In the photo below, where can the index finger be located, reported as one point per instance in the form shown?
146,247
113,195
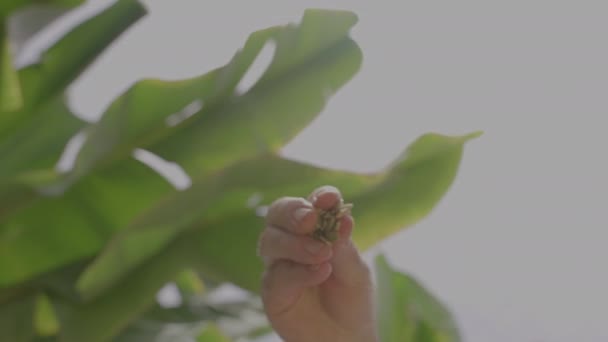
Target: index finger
292,214
325,197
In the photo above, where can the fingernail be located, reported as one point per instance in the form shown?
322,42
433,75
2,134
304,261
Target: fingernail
314,247
314,267
300,213
319,194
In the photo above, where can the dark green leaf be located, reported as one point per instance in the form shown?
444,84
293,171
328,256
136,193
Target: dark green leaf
408,312
65,60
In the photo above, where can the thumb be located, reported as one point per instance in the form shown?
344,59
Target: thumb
348,268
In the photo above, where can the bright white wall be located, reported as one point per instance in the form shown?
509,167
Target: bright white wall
517,247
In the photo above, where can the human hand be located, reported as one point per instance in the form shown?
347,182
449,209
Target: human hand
313,291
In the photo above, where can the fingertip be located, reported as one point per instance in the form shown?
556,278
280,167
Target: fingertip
307,223
325,197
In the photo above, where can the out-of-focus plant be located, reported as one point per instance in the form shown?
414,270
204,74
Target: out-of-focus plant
85,249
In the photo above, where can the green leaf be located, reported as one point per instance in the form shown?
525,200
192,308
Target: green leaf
212,334
105,316
30,153
45,321
7,6
306,69
189,283
10,88
92,227
52,232
408,312
389,201
224,247
384,203
65,60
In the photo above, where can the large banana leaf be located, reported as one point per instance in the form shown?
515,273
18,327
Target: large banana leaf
307,67
147,231
230,127
224,246
408,312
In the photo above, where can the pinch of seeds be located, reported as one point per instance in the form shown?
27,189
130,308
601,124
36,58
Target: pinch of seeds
328,222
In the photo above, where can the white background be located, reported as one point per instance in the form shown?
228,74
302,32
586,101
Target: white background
517,247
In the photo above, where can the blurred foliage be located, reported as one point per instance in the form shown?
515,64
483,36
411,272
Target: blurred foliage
84,250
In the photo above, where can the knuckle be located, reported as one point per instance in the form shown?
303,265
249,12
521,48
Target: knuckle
283,207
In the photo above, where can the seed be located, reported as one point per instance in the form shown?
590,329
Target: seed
328,222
